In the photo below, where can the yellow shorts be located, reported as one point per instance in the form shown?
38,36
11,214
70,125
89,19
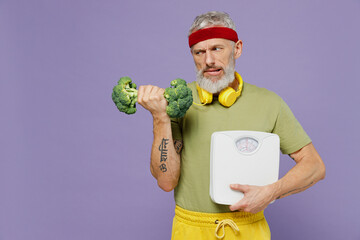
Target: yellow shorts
188,225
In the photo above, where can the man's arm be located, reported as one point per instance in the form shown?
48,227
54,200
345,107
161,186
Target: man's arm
165,158
309,169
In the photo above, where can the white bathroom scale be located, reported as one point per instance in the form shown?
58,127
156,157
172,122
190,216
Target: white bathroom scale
243,157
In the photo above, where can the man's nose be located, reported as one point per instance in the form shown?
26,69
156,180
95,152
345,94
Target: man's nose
209,58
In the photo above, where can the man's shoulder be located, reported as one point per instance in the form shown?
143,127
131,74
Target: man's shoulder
253,90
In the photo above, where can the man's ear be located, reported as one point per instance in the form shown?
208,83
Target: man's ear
238,49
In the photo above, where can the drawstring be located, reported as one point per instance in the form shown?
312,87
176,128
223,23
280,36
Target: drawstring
221,224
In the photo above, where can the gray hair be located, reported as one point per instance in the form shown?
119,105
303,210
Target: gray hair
210,19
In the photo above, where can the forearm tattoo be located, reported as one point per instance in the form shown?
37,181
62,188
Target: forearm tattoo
178,146
163,154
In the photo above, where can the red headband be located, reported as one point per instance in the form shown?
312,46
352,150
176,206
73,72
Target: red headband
212,32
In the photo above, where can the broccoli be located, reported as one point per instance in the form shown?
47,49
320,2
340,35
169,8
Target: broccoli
124,95
179,97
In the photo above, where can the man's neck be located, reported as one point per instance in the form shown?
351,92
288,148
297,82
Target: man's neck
234,84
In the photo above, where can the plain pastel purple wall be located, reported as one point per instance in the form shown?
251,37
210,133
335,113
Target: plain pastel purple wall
73,167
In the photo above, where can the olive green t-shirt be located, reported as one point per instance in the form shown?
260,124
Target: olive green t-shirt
257,109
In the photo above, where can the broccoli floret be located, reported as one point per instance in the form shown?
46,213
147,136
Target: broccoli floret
179,97
124,95
178,82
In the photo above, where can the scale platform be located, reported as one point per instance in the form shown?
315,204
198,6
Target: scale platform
243,157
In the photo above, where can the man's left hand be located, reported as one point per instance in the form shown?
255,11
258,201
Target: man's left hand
256,198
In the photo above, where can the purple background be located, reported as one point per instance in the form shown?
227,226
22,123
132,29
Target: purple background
73,167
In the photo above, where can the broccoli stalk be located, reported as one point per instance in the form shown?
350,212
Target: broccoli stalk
178,95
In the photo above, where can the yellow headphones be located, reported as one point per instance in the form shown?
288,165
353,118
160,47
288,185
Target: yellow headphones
227,96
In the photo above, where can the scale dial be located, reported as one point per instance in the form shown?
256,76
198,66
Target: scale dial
247,144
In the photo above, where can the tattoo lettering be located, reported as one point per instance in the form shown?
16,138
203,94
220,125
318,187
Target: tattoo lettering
178,146
163,150
163,154
163,167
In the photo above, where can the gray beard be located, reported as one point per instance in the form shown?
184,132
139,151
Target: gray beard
216,87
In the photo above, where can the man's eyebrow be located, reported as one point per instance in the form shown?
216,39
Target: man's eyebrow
211,47
198,49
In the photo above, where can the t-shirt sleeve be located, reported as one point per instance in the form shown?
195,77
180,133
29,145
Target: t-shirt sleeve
176,129
292,135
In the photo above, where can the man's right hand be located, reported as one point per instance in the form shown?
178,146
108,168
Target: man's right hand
152,98
165,161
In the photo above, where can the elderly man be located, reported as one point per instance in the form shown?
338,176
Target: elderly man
228,104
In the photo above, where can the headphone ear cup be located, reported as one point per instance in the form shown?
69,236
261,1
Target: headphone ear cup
205,96
227,97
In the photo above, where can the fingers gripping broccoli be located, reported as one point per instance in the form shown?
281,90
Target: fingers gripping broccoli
179,97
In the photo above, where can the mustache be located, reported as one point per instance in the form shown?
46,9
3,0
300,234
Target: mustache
201,71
